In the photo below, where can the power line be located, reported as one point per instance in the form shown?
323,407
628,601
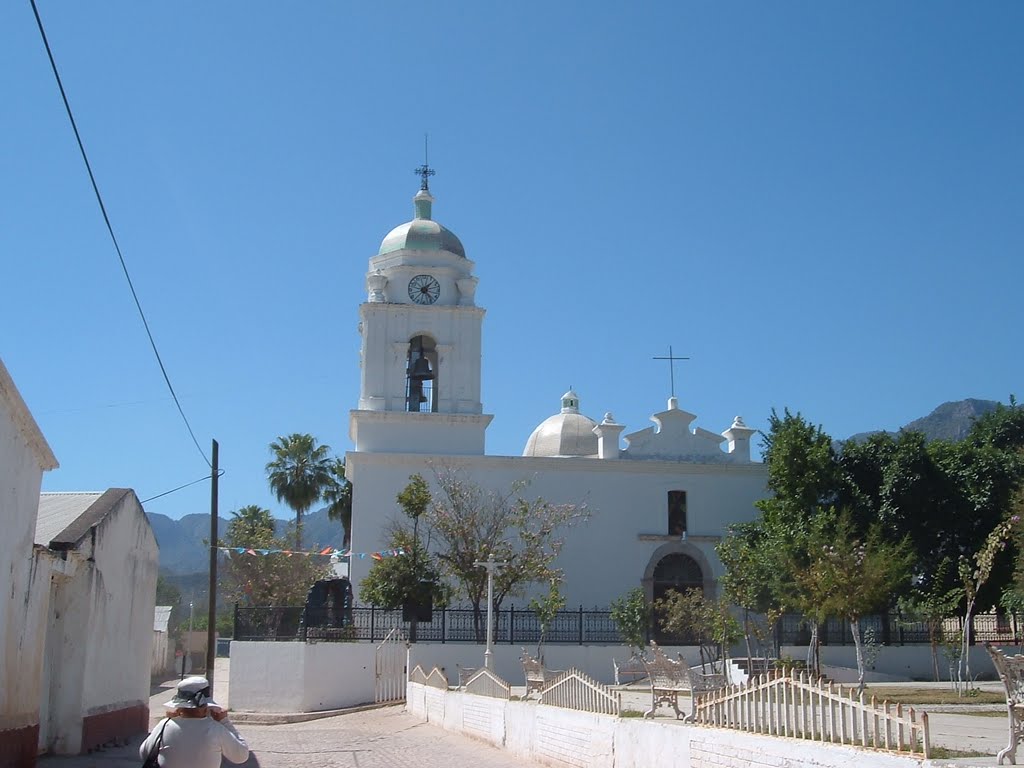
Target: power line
110,229
220,473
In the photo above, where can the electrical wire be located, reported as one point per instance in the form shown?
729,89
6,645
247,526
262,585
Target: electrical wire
220,473
110,229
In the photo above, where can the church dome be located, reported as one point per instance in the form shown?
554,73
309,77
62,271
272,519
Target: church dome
568,433
422,233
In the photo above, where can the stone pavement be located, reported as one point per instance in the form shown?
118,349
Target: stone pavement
380,738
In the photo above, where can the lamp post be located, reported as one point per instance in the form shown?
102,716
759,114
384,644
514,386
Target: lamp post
491,567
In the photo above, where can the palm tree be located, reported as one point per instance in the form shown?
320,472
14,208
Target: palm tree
299,474
250,526
338,496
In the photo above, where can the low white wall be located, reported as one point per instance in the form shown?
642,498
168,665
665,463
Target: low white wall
565,737
300,677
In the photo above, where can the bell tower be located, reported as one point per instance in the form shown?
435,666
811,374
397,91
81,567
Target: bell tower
420,350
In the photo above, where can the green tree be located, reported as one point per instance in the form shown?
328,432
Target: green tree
806,479
749,578
299,474
632,615
469,523
546,609
852,575
275,579
338,495
931,603
709,622
974,572
414,577
392,581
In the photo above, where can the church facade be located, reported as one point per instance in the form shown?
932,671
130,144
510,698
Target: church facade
659,503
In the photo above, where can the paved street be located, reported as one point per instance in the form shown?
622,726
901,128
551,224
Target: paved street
379,738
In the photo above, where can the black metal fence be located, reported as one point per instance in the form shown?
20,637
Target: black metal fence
448,625
580,627
892,629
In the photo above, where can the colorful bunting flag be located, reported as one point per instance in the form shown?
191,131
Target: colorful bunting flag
325,552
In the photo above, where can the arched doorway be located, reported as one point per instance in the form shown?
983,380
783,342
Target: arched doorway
680,573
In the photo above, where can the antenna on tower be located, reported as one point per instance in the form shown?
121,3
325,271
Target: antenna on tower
425,171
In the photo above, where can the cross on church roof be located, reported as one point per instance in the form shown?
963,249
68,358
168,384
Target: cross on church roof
425,171
671,367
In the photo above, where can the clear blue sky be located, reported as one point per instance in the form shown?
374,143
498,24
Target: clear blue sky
820,203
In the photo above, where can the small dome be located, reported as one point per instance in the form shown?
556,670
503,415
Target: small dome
568,433
422,233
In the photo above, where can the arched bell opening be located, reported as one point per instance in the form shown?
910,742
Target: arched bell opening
421,375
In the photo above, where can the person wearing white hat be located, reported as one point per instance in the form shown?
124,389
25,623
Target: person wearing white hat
196,731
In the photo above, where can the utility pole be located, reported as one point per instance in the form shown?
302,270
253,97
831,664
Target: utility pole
491,567
211,626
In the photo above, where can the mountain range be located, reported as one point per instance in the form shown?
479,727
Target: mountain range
184,543
950,421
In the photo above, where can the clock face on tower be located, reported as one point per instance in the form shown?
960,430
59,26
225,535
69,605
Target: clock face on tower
424,289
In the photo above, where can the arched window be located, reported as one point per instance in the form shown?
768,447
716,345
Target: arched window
421,375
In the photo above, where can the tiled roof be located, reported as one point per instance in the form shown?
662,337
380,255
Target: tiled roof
57,511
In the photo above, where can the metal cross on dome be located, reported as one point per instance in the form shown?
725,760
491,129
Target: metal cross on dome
425,171
671,367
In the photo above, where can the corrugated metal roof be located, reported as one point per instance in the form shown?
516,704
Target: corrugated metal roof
58,510
161,618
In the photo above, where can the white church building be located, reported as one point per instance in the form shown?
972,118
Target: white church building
660,498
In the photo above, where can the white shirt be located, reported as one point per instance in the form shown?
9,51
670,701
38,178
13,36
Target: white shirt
196,743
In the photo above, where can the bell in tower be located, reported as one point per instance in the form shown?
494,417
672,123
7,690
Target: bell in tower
420,380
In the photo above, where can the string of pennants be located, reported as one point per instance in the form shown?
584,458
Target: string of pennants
325,552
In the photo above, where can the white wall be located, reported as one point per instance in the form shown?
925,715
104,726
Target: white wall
603,558
23,597
300,677
122,597
160,658
566,737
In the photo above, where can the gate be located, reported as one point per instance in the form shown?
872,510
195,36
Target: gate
389,667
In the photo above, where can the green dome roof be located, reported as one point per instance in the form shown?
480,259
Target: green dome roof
422,233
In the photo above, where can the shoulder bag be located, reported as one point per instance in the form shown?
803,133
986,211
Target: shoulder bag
153,758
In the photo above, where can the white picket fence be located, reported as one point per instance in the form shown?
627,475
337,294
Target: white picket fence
486,683
574,690
436,678
778,705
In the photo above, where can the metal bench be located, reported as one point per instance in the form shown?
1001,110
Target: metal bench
632,668
1011,672
536,673
670,678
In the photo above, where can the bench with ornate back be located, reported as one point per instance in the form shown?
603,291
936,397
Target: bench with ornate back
630,670
536,673
670,678
1011,672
